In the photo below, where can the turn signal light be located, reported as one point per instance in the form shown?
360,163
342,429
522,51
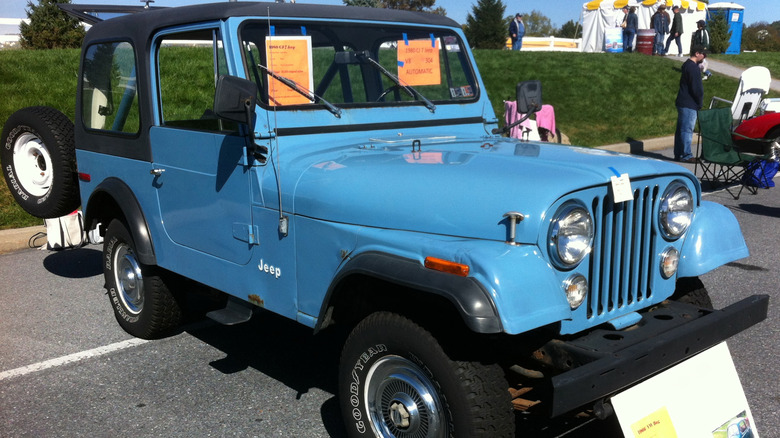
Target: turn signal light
447,266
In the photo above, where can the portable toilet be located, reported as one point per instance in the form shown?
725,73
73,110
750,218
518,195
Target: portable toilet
734,14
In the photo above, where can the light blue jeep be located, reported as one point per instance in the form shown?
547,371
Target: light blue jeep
339,166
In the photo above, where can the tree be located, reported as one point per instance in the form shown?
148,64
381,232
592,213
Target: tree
719,33
364,3
50,27
776,26
570,29
761,37
538,25
406,5
485,25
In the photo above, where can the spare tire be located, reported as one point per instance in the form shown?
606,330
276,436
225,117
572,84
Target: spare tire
38,156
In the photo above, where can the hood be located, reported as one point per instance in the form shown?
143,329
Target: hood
459,188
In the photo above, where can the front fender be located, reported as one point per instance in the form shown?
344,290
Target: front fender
472,301
713,239
526,289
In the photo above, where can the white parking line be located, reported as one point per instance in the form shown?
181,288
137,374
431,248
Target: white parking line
71,358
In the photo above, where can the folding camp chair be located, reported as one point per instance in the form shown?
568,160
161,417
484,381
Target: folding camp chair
721,161
753,85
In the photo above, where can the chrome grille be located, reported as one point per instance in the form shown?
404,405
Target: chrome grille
623,252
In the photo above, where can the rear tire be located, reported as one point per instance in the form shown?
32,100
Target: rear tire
142,303
39,161
395,380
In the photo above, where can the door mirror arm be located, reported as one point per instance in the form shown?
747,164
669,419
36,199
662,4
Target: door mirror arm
235,100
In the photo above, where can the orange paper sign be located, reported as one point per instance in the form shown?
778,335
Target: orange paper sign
289,56
418,62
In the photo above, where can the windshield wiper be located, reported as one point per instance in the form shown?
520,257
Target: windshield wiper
298,88
413,93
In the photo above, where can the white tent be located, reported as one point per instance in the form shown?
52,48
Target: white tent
599,15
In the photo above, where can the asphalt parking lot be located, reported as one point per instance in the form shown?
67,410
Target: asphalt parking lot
67,369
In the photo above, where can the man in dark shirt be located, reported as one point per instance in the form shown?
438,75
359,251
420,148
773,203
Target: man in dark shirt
675,32
689,101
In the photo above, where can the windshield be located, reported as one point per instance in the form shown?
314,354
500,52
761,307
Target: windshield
335,62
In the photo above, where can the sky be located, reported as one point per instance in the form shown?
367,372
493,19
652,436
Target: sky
558,11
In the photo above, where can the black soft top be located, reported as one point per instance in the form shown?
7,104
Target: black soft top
140,26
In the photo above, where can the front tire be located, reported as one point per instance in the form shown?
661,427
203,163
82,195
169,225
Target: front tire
142,303
395,380
691,290
39,161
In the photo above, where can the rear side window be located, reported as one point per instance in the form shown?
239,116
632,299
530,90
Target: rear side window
109,100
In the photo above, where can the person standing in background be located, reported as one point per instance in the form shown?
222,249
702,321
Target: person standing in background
702,38
517,31
660,23
675,32
631,22
688,103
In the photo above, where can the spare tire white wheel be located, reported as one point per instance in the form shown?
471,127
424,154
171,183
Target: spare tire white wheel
38,156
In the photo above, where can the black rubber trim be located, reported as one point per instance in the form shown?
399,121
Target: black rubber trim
657,344
134,217
330,129
470,298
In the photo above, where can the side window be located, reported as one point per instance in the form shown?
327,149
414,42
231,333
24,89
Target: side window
189,64
109,101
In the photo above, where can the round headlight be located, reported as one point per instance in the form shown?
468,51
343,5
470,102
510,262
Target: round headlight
576,288
676,210
670,258
571,235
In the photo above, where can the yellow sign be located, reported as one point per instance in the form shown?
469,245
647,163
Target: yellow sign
656,425
291,57
418,62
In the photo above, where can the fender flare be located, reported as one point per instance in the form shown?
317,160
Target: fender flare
116,190
470,298
714,239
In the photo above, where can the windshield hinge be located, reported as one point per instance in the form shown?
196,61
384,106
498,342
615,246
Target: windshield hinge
246,233
265,135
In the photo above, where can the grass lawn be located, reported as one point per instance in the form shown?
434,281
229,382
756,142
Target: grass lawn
599,98
29,78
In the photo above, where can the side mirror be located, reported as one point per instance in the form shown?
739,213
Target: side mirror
529,97
529,101
235,99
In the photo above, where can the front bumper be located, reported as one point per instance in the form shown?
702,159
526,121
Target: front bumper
604,362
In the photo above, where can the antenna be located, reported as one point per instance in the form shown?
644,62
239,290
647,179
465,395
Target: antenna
283,220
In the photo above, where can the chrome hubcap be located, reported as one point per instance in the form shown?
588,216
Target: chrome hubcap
402,400
128,279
